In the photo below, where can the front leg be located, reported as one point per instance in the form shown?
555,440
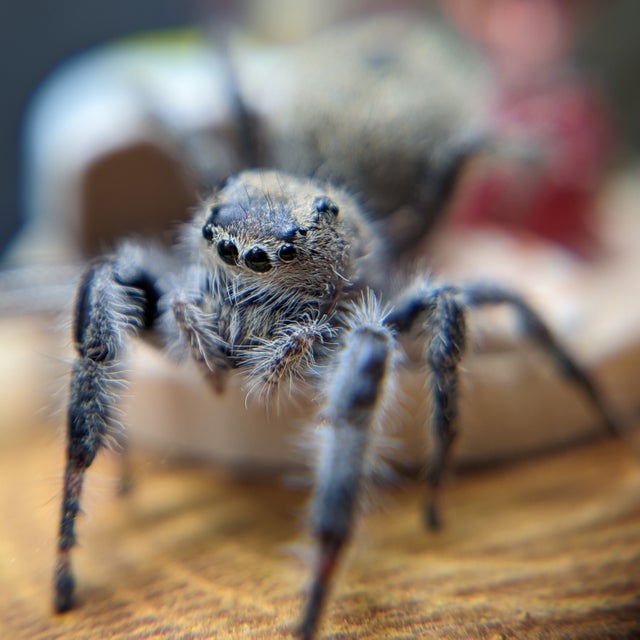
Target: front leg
442,323
200,333
287,355
356,388
116,297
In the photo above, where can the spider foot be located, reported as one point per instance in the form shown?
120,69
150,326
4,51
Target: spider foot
327,559
63,584
432,516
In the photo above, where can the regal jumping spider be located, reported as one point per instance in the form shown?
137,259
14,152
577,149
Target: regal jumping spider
285,278
281,278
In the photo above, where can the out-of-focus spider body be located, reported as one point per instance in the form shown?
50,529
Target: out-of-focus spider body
392,108
280,278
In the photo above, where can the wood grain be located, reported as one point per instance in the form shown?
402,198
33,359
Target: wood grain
543,549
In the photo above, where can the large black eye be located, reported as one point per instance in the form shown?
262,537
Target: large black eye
324,204
228,251
287,252
257,259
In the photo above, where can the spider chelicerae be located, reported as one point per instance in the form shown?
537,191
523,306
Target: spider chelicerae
282,278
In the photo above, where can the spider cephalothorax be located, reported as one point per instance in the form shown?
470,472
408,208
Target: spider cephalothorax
277,275
309,239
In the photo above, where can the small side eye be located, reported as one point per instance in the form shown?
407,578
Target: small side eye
287,253
228,251
214,212
224,183
207,232
324,204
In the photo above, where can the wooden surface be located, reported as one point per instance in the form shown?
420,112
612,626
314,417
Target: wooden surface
547,548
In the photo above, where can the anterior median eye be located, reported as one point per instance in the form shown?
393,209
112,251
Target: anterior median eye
228,251
257,259
287,252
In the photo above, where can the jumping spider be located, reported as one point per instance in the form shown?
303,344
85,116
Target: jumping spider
281,278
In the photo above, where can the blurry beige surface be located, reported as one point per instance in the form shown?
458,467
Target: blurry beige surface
543,550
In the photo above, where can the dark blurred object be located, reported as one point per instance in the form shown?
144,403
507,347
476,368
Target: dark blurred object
549,113
609,47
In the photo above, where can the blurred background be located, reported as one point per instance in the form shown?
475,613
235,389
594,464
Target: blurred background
38,36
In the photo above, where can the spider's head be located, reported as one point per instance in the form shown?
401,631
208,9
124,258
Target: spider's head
293,232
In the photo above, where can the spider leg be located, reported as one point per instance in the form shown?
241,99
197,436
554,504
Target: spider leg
353,405
443,324
287,355
116,297
441,311
199,330
478,295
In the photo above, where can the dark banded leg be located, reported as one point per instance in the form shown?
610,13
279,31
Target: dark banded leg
107,309
353,405
446,339
436,313
533,327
